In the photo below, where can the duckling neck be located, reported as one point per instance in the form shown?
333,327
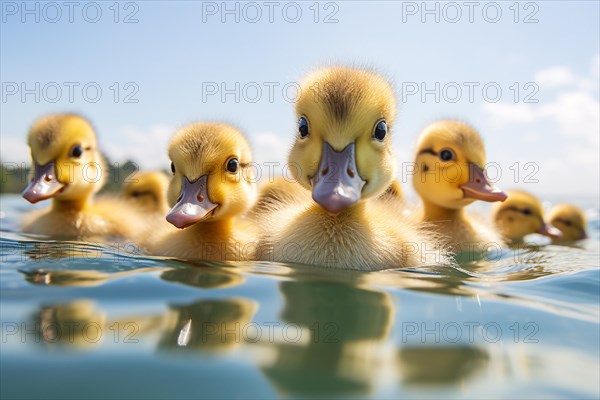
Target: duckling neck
69,205
434,213
214,230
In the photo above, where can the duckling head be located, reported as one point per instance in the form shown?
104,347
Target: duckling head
343,149
520,215
66,161
212,175
147,189
570,220
450,158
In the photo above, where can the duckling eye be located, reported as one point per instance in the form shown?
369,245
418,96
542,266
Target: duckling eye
303,127
233,165
380,131
568,223
172,167
526,211
76,151
447,155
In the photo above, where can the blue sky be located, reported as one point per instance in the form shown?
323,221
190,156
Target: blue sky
176,50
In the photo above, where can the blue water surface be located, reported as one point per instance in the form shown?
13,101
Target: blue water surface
85,320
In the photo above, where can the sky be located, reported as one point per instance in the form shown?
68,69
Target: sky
525,74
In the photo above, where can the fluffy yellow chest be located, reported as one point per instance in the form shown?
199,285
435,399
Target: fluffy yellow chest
366,237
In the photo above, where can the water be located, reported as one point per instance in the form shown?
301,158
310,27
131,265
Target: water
94,321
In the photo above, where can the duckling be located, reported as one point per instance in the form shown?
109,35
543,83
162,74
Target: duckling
212,185
520,215
69,169
568,219
393,192
450,158
343,154
148,190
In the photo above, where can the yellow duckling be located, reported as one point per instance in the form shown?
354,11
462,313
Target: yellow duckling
285,191
69,169
393,192
568,219
343,154
450,158
212,184
148,190
520,215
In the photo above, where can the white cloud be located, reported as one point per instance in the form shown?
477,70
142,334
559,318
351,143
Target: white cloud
596,66
560,77
554,76
532,137
571,118
502,114
267,148
147,147
14,149
574,110
577,114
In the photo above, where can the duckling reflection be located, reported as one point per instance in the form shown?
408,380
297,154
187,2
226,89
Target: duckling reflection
60,250
203,277
440,365
347,325
82,325
78,277
208,325
77,325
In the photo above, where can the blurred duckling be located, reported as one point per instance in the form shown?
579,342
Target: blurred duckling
69,169
148,190
450,158
212,185
521,215
568,219
344,157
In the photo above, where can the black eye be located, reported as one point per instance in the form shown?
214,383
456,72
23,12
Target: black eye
172,167
446,155
232,165
76,151
303,127
568,223
380,131
526,211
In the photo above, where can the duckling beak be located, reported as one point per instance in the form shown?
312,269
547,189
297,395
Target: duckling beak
44,184
337,184
193,204
550,230
480,188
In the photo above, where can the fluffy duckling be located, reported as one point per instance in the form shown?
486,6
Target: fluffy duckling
450,158
148,190
212,185
520,215
285,191
343,154
69,169
393,192
568,219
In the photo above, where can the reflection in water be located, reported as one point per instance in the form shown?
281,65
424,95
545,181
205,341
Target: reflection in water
204,277
439,365
347,325
208,324
78,278
78,325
